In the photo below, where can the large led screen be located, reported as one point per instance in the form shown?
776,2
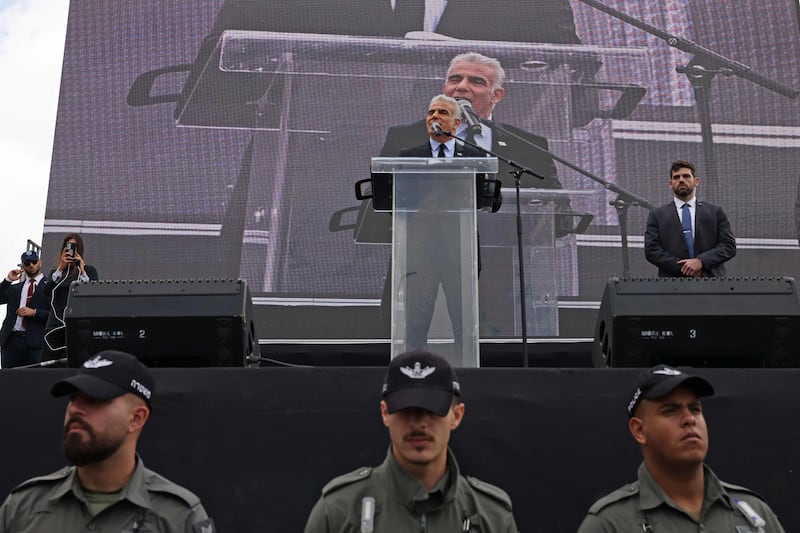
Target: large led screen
222,139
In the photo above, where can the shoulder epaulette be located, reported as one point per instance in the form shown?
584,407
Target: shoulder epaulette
347,479
731,486
157,483
490,490
622,493
58,475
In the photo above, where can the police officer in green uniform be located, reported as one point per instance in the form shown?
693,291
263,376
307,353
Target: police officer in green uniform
676,491
419,486
109,490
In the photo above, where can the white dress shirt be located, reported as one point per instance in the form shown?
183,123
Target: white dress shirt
23,298
449,147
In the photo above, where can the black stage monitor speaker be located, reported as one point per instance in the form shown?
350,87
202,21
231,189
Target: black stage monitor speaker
167,323
700,322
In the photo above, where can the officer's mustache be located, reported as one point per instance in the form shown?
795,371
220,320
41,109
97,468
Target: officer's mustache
78,422
417,435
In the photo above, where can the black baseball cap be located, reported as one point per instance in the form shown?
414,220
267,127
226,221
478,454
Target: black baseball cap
661,380
29,255
109,374
420,379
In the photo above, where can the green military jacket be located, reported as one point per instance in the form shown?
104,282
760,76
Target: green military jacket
643,506
458,505
149,503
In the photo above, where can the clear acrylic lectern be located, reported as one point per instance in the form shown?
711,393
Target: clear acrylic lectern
544,267
435,255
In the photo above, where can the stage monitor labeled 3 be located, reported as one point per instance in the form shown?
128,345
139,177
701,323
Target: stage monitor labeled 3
700,322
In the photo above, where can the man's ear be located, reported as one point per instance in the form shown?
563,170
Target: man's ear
498,95
385,413
139,415
635,425
458,415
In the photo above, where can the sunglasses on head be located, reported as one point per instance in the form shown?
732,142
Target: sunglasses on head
29,263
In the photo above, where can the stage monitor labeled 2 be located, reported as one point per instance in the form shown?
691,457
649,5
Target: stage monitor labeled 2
165,323
700,322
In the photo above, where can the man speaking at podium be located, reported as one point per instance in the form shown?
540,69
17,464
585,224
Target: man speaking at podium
442,120
438,263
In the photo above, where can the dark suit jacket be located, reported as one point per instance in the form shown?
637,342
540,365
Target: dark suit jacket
10,295
714,243
400,137
424,150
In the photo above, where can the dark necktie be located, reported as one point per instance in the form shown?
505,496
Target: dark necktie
31,287
441,151
409,15
686,223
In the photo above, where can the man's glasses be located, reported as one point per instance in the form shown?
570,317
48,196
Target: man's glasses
29,263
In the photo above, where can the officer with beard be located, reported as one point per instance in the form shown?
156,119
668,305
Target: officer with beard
687,237
108,488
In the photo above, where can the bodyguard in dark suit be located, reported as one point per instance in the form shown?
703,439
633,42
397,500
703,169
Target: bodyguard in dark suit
23,328
687,237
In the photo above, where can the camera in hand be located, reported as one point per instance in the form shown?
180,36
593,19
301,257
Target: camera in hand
70,247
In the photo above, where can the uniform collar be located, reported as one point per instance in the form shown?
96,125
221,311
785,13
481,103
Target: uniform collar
651,495
413,495
135,490
68,479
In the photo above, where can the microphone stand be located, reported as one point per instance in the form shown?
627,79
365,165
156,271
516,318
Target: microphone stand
518,171
624,200
700,71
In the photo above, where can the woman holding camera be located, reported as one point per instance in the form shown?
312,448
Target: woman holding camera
71,267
